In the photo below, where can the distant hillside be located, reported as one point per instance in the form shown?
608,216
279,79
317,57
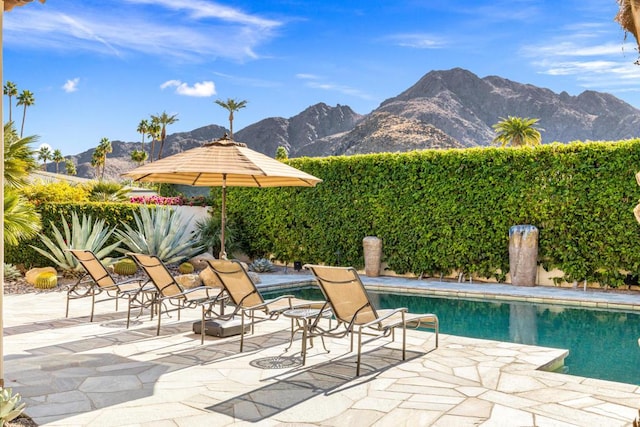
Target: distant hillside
465,107
444,109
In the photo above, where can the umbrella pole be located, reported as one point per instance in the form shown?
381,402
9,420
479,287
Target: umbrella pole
223,219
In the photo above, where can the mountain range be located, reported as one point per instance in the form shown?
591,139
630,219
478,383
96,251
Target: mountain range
444,109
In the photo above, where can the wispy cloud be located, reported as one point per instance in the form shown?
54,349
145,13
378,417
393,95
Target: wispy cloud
317,82
193,31
585,52
71,85
201,89
199,9
416,40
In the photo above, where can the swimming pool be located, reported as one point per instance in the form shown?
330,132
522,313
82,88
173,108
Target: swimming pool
601,344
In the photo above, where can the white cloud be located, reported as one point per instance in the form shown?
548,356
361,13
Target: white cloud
71,85
201,89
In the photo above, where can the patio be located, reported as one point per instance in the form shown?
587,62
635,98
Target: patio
74,373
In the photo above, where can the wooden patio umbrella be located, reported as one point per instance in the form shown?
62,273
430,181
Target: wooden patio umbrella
222,163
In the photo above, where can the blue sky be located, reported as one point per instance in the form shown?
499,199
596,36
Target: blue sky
98,67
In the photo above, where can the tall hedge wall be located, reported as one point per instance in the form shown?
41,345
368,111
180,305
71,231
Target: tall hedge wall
442,211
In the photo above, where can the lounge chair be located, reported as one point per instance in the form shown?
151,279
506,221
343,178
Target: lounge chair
97,280
354,311
246,297
171,296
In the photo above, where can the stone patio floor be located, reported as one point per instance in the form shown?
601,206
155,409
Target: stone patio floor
71,372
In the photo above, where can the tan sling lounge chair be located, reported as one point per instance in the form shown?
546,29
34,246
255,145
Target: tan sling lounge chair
247,299
353,309
97,280
172,296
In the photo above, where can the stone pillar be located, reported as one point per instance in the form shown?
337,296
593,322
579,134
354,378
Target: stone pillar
372,255
523,254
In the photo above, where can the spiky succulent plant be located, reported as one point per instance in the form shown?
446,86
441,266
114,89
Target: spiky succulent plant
261,265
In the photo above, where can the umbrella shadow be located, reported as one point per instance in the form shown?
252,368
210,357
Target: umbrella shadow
325,378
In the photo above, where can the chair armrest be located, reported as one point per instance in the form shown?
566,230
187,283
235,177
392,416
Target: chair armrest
386,316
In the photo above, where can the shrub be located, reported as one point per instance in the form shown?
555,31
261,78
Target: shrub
55,192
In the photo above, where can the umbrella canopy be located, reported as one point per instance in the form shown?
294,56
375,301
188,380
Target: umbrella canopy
222,163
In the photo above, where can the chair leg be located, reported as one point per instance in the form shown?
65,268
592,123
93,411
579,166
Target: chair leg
359,350
93,304
66,314
202,326
129,311
242,330
159,317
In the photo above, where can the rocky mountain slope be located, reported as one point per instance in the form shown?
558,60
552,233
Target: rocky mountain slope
444,109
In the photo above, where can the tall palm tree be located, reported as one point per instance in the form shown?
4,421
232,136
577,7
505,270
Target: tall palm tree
97,159
11,90
153,131
164,119
70,167
104,148
18,157
143,129
231,105
57,157
517,131
26,99
45,154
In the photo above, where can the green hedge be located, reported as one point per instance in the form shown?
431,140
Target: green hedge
112,213
439,211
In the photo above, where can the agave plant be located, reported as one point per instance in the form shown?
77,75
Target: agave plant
160,231
10,405
11,272
85,234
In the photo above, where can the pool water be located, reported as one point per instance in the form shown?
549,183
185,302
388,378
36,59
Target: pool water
601,344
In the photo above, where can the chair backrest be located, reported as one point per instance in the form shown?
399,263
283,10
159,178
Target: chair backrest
346,294
93,267
159,274
236,281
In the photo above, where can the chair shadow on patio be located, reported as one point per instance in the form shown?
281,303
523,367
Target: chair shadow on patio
83,378
325,378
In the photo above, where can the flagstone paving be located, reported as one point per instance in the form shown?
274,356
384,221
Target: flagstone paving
71,372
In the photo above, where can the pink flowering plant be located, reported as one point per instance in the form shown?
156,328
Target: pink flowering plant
173,201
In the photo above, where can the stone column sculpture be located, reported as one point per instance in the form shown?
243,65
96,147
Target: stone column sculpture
523,254
372,247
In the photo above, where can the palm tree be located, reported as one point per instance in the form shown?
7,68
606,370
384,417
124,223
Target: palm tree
138,156
18,157
104,148
21,220
26,99
45,154
11,90
97,159
517,131
70,167
164,119
57,158
153,131
143,129
231,105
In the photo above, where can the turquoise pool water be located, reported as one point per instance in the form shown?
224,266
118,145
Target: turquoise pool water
601,344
